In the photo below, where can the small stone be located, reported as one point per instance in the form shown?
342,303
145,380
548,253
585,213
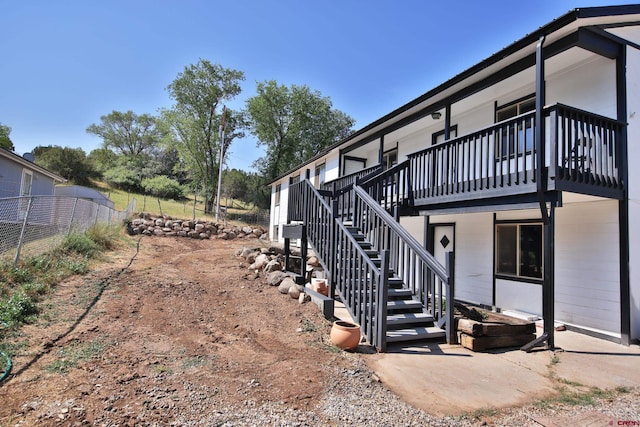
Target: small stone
294,292
304,298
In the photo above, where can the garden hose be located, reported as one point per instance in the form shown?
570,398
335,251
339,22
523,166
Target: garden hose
8,367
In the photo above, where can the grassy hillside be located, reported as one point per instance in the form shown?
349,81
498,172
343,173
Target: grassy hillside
237,210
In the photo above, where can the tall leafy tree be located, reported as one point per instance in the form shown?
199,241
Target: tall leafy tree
199,92
69,163
5,141
293,124
127,133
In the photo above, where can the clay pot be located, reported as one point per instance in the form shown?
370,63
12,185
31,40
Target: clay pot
320,286
345,335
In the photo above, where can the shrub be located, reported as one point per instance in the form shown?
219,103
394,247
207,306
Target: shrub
18,308
163,187
104,235
80,243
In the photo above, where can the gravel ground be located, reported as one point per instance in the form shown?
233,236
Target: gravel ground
357,398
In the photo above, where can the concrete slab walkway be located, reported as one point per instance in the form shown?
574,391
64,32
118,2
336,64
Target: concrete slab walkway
449,379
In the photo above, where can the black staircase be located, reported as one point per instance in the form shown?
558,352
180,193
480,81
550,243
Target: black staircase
389,283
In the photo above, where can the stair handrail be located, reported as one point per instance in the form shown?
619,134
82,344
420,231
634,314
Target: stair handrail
430,282
391,186
433,263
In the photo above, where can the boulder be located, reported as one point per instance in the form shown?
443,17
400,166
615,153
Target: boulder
276,277
294,292
285,285
272,265
261,261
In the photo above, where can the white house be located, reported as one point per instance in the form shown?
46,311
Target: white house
518,165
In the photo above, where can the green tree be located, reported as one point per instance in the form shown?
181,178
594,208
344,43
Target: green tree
102,159
124,176
69,163
293,124
235,184
194,120
5,141
127,133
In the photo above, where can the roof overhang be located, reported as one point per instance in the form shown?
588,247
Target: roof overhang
30,165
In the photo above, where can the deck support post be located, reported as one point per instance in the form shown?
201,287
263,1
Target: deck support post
548,287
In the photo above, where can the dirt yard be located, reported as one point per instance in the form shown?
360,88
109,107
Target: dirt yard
173,331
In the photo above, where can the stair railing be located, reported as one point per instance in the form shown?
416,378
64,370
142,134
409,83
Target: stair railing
354,277
390,188
430,282
340,190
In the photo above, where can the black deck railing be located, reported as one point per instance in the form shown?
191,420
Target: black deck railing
347,180
582,152
430,282
586,149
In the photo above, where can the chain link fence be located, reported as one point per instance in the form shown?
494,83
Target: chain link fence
33,225
255,217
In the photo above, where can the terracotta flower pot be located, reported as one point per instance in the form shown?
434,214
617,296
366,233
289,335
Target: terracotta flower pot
345,335
320,286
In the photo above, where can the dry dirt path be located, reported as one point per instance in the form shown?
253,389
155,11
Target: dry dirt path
177,330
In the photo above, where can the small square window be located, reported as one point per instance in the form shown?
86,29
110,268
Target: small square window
519,250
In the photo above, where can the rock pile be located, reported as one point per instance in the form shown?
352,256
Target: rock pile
146,224
270,263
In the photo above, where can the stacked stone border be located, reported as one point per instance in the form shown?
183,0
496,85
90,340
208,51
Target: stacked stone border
149,225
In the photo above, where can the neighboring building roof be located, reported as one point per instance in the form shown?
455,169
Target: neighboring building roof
84,193
28,164
528,41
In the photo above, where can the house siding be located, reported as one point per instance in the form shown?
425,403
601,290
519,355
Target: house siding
11,180
587,280
587,264
633,132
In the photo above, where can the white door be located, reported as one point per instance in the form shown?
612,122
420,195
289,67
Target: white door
443,242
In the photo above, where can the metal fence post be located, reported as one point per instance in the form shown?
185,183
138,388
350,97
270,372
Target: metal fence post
73,213
22,232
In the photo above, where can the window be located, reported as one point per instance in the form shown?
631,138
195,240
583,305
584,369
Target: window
438,137
522,131
294,180
277,195
390,158
25,187
519,250
319,175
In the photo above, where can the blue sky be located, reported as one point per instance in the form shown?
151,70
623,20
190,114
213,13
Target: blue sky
65,63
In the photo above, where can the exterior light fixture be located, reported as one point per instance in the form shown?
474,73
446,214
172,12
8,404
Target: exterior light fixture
436,115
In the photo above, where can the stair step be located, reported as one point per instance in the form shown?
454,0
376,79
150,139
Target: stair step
414,334
395,282
408,318
399,293
403,304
